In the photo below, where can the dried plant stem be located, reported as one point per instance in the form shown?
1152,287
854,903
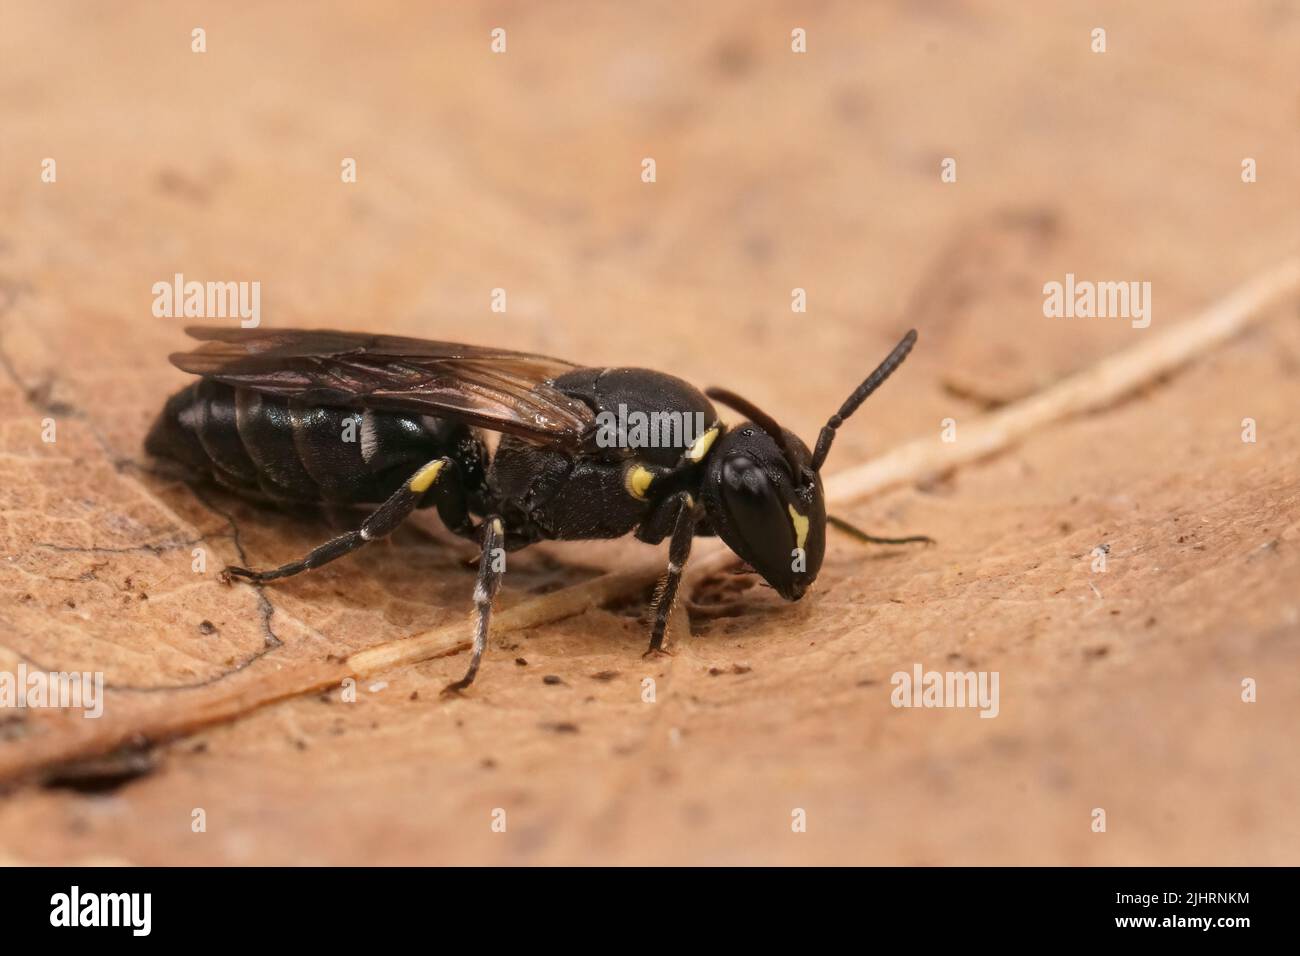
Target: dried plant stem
1096,387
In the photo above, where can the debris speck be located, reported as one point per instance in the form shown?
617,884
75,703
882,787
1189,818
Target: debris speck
559,727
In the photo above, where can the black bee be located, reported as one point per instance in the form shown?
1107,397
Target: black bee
294,417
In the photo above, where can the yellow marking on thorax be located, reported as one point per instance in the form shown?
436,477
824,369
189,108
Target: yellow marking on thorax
703,444
425,477
800,523
637,481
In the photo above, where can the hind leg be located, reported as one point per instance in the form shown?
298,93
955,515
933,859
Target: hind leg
381,522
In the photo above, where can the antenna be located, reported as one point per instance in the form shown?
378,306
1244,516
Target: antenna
872,382
756,415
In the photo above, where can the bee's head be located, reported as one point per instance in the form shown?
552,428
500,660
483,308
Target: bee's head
763,487
768,508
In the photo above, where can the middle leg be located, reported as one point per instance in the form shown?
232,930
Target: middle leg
490,568
679,551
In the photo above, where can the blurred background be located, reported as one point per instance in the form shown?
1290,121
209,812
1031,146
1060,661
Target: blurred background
774,171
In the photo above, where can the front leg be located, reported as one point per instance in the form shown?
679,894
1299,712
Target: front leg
679,551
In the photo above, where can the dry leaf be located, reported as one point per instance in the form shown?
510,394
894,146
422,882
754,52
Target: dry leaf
1119,690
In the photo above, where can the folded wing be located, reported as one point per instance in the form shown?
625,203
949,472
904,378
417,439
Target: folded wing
491,388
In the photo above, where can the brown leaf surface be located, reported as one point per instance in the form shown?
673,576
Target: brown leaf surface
1119,690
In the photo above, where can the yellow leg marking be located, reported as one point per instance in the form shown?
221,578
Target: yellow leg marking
800,524
425,477
637,481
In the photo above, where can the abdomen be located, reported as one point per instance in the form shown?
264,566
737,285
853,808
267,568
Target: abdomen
270,448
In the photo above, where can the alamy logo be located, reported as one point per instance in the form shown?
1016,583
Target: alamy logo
1100,300
922,688
208,300
66,689
103,909
638,429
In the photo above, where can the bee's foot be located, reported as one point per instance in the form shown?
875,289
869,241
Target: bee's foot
455,688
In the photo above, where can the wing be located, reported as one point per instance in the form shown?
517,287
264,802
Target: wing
496,389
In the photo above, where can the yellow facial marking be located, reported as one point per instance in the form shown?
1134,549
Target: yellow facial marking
637,481
496,527
703,444
800,524
425,477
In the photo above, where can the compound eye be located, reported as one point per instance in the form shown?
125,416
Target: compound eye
754,507
742,475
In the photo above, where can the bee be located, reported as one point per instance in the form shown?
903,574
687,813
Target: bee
296,417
